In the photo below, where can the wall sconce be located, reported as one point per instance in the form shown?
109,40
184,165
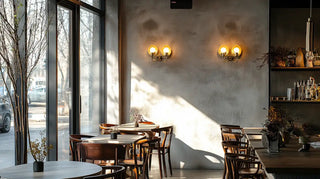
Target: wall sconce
165,52
225,53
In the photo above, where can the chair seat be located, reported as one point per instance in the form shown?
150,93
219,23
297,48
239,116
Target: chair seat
250,171
130,162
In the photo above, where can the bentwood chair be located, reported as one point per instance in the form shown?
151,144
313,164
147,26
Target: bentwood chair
239,163
165,133
91,152
73,140
117,172
243,166
135,163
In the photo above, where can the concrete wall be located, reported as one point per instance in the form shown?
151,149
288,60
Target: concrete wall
194,90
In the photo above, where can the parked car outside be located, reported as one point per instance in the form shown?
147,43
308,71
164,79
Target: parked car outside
5,116
37,95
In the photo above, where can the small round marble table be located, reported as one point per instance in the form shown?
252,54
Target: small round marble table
52,170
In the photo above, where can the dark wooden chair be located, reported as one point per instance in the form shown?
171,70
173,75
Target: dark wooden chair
117,172
243,166
165,133
238,162
73,140
91,152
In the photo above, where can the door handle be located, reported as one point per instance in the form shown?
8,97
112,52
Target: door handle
80,104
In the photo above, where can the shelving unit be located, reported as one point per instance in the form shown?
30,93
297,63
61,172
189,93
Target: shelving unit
295,101
295,69
290,34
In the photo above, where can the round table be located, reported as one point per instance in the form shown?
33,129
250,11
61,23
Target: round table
52,169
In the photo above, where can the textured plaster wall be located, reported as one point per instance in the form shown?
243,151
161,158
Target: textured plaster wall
194,90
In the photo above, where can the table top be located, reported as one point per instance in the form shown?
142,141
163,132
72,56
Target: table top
52,170
289,160
121,139
141,128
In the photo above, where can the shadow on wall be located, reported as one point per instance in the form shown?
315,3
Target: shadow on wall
183,156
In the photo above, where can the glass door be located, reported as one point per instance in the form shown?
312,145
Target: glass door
64,64
90,78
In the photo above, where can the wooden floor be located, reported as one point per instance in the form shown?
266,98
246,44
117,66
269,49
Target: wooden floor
184,173
190,174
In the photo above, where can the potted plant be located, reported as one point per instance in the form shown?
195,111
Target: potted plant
39,151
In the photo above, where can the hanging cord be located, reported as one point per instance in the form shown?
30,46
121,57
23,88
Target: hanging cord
310,8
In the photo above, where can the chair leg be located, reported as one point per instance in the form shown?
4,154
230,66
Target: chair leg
164,162
160,164
169,161
150,157
224,170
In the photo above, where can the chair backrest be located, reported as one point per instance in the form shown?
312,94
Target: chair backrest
166,135
105,128
73,140
231,132
117,173
235,147
95,151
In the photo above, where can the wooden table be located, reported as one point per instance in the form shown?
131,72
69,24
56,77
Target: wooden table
121,139
288,163
52,170
143,128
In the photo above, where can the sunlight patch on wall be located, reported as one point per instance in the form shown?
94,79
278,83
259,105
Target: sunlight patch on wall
191,126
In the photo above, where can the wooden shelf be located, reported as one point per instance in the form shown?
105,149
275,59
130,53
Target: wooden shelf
295,68
295,101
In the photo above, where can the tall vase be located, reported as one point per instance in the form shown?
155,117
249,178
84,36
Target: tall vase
38,166
271,143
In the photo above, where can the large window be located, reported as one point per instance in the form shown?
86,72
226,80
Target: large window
90,64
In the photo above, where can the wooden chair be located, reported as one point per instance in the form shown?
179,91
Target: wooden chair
231,132
91,152
119,172
166,136
73,140
138,161
105,128
243,166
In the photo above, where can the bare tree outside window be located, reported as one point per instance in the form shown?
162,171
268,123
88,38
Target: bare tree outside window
23,43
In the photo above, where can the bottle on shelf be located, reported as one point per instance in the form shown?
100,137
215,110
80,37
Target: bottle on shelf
307,91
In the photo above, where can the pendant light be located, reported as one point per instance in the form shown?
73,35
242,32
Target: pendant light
309,31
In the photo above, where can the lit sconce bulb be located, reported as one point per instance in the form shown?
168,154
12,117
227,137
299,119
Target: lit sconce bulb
152,50
166,51
223,50
236,51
